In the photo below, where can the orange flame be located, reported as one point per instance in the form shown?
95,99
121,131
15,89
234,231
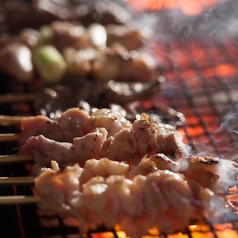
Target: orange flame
197,231
189,7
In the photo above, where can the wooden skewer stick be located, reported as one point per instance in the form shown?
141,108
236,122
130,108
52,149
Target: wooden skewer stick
10,120
15,98
18,199
9,137
15,158
16,180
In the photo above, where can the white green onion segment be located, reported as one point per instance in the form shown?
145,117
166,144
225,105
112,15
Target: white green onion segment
50,64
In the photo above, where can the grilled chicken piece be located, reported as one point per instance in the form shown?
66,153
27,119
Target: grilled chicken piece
19,14
210,172
102,167
39,125
44,150
113,121
89,146
121,147
121,34
62,188
65,128
162,199
74,122
144,167
119,65
130,145
145,138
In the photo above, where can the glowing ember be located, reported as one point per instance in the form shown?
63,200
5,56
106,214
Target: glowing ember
190,7
195,231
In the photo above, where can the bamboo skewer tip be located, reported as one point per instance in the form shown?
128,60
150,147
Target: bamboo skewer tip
15,158
18,199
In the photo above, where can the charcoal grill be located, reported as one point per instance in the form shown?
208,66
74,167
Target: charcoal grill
202,83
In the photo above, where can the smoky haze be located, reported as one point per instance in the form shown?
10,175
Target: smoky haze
216,22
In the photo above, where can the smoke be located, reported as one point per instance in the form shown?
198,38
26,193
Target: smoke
230,121
216,22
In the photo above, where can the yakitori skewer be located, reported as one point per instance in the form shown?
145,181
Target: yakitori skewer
15,98
6,120
18,199
15,158
16,180
9,137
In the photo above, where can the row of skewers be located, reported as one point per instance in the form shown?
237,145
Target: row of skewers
93,179
95,161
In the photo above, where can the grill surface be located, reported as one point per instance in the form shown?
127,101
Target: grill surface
202,83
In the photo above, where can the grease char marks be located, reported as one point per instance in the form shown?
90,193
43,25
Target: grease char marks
121,147
124,145
145,133
155,138
171,143
163,162
211,172
43,150
89,146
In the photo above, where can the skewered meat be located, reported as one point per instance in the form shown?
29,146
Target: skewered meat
102,167
164,199
84,56
210,172
215,176
19,14
121,34
130,144
51,101
112,120
74,122
63,54
109,12
117,64
64,33
78,55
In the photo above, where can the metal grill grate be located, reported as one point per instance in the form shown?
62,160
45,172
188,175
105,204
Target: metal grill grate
202,84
